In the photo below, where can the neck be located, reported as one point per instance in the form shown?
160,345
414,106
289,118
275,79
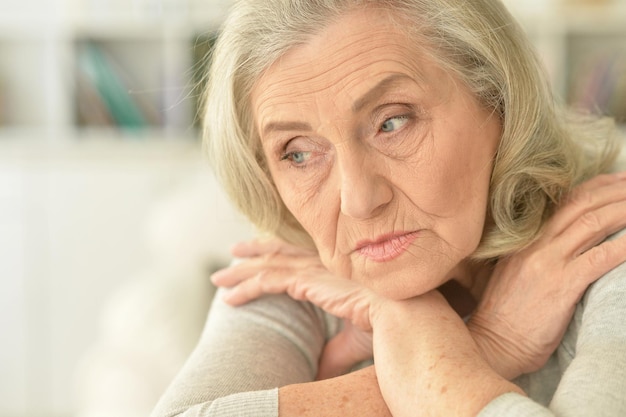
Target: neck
465,286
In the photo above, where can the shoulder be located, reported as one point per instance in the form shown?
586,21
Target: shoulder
610,289
600,310
278,312
599,316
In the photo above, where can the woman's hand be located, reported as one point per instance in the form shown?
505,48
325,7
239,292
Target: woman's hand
523,312
273,266
412,336
531,296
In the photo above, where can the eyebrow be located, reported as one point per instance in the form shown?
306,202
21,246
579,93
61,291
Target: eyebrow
377,90
285,126
357,106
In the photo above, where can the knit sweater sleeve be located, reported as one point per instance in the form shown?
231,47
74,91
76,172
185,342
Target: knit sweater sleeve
244,354
594,383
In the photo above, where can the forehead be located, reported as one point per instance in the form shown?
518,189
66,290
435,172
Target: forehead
343,61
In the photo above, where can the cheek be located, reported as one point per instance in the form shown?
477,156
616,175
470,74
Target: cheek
451,186
305,197
466,183
464,160
316,207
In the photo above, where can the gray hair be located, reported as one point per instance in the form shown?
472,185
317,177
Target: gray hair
543,151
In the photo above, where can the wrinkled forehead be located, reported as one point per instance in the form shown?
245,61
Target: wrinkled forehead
343,61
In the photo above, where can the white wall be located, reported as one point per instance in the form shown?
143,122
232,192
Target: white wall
76,223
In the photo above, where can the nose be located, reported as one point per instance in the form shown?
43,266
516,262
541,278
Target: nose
365,189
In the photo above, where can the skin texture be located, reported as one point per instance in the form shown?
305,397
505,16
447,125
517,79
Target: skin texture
367,141
519,321
361,130
366,138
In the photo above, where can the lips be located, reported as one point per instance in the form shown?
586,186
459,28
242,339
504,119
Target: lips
387,247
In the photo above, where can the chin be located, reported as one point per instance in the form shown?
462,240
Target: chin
398,280
400,288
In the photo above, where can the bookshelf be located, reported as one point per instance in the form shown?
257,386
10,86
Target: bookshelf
96,68
583,46
75,192
148,49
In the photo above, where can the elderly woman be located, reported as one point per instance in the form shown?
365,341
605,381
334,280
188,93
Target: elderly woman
412,155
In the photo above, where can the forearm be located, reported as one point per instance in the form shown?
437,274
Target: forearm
501,355
353,394
272,342
428,363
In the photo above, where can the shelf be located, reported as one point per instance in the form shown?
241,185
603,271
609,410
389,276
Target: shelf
583,47
153,49
159,46
597,79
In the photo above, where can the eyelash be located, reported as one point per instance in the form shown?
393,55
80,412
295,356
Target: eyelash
404,117
288,156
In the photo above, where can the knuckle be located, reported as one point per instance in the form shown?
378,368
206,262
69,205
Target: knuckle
591,221
597,257
534,263
581,197
262,278
296,290
269,257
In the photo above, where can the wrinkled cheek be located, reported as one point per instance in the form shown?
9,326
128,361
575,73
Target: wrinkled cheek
323,230
299,198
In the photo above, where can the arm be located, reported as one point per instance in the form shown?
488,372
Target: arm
272,342
352,395
437,370
598,260
443,371
246,352
532,294
594,383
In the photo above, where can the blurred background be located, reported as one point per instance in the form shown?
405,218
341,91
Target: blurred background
110,220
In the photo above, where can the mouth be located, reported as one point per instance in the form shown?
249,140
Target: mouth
386,247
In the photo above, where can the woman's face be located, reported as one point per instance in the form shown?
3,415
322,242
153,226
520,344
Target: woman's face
383,158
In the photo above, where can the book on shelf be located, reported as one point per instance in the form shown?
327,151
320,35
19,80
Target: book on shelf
104,92
599,85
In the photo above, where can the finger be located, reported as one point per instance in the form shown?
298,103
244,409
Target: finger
300,284
234,274
338,296
595,193
336,360
250,267
592,228
276,282
600,181
598,260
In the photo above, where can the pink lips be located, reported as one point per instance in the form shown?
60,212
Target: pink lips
386,247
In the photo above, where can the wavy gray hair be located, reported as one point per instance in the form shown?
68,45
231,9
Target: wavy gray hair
543,151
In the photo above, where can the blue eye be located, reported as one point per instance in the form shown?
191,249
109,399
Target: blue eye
393,123
297,158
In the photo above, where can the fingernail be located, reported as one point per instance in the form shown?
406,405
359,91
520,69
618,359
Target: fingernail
228,297
217,276
234,247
